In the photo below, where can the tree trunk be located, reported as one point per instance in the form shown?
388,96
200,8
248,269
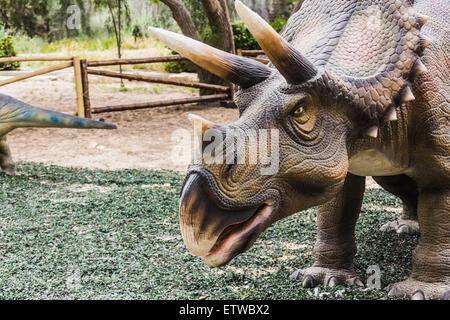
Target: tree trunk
222,36
298,6
278,9
219,19
183,18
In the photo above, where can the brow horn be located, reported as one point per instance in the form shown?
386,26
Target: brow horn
242,71
289,61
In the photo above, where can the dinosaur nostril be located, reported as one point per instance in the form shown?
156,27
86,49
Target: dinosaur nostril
228,170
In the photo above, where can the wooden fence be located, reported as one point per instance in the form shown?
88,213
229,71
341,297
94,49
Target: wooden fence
68,62
84,68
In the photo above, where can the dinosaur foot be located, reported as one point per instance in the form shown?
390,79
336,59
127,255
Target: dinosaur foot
316,276
418,290
9,171
405,226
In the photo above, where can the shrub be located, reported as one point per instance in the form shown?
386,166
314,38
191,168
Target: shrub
180,66
137,32
278,24
243,39
7,50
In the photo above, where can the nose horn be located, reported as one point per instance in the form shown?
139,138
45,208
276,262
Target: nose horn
199,121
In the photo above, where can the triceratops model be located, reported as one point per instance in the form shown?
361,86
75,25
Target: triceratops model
355,88
16,114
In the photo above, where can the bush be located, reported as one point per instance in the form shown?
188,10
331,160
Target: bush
243,40
137,32
7,50
180,66
278,24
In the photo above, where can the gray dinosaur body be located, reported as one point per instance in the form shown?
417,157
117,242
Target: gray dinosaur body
355,89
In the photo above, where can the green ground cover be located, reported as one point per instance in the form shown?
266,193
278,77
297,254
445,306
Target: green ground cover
93,234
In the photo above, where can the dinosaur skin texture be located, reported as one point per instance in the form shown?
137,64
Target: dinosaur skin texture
16,114
374,71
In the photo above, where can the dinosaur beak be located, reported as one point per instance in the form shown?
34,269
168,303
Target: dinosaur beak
215,233
294,67
16,114
242,71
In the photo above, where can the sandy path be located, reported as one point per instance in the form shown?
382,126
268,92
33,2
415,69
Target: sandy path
143,139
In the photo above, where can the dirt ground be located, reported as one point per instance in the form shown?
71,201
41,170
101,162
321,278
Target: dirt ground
143,139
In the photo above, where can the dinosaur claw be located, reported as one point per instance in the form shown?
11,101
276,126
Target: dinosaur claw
308,282
358,282
402,229
446,295
295,275
393,291
418,295
333,282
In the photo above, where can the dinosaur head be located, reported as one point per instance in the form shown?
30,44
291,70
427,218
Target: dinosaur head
16,114
298,116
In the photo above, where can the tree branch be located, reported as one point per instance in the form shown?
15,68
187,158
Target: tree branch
183,18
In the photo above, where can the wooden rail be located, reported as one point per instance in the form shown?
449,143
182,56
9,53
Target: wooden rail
115,62
162,80
29,59
253,54
70,62
36,73
86,70
161,103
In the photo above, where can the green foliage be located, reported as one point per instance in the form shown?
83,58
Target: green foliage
7,50
180,66
43,18
112,6
278,24
198,15
243,39
137,32
94,234
31,17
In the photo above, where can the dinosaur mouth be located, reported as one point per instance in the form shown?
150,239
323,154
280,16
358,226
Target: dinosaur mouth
238,238
214,233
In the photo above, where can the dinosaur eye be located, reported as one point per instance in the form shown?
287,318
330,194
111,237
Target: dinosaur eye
300,111
303,116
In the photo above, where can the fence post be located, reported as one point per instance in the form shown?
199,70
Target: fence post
85,87
78,86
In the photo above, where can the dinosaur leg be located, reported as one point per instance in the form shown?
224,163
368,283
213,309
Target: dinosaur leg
6,162
430,277
335,246
406,189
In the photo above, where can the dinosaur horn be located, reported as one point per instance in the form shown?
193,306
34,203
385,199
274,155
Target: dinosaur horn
242,71
16,114
289,61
